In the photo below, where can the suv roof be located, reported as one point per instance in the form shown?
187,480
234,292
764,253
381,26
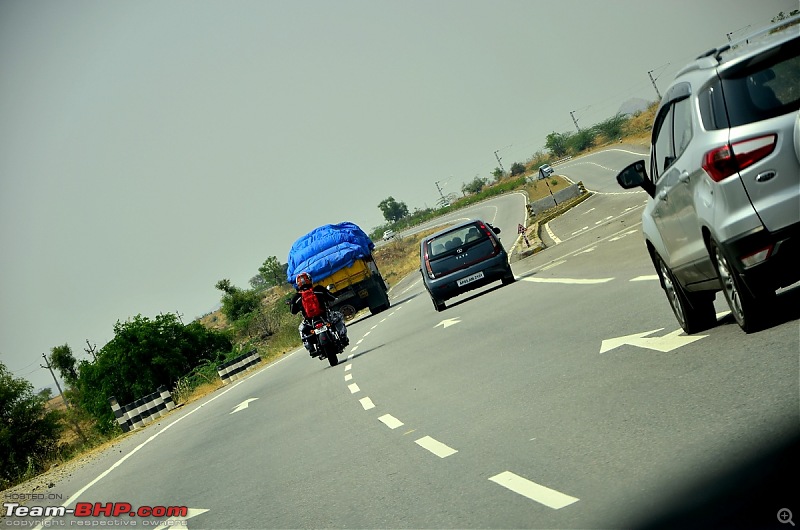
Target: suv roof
754,43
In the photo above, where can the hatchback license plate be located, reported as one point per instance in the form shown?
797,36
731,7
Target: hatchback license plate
470,279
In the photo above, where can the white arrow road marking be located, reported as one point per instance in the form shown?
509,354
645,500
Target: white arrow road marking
447,323
173,522
647,278
536,492
667,343
575,281
241,406
390,421
436,447
629,232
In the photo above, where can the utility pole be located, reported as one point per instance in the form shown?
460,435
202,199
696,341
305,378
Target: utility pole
440,190
650,74
47,365
498,161
74,421
572,113
91,349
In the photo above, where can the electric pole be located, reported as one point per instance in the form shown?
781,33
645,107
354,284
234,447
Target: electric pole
47,365
572,113
650,74
498,161
440,191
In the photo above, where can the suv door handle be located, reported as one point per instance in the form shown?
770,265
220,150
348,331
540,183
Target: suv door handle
684,177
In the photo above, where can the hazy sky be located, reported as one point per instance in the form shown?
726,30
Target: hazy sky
149,149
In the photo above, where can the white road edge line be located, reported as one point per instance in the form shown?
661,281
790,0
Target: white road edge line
536,492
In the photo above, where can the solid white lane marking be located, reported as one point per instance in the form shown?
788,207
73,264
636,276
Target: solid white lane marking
551,234
390,421
348,377
366,403
646,278
575,281
354,388
436,447
536,492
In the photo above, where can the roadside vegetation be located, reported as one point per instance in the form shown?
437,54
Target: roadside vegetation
149,352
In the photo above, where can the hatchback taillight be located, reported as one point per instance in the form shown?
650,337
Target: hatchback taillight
725,161
428,266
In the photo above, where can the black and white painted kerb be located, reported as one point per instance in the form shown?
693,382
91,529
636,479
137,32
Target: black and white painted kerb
142,411
235,368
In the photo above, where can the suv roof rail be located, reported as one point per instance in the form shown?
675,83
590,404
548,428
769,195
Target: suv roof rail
772,28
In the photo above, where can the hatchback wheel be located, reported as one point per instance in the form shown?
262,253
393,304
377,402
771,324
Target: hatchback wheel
438,304
747,309
694,311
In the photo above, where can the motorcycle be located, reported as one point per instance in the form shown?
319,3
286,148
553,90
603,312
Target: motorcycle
325,339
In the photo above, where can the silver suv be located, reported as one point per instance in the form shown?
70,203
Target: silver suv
724,181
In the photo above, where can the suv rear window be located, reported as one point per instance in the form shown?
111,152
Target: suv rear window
458,249
764,87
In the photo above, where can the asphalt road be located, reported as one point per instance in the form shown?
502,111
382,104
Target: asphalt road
569,399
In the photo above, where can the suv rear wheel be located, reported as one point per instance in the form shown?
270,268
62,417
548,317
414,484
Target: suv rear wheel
748,310
694,311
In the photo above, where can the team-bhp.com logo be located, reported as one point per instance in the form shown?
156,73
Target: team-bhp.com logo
95,509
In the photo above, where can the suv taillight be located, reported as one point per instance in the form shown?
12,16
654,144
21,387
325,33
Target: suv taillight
428,266
722,162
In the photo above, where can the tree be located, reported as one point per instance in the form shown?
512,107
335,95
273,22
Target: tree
225,286
612,127
497,173
557,143
392,210
143,355
29,433
273,272
475,186
517,169
582,140
61,359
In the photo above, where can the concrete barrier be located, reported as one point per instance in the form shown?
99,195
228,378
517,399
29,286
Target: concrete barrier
139,413
235,368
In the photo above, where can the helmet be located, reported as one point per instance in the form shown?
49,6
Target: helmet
304,281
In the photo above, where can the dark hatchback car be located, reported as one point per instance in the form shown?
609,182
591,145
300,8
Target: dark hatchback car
460,258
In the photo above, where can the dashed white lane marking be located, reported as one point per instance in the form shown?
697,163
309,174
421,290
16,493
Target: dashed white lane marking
554,264
353,388
348,377
536,492
384,320
590,249
359,342
574,281
436,447
604,220
367,403
390,421
581,230
373,327
367,333
348,367
646,278
587,211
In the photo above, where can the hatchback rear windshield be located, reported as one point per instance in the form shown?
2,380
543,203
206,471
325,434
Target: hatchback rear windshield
765,87
458,238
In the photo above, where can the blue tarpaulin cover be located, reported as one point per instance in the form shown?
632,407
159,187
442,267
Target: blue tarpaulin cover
326,250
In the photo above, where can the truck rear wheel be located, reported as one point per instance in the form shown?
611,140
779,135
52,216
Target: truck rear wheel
348,311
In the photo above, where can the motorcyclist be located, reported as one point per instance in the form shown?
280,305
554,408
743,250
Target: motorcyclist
303,283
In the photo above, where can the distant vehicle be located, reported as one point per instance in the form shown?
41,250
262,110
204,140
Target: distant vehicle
724,184
545,171
461,258
339,257
389,234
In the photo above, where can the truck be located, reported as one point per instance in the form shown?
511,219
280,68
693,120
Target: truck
339,258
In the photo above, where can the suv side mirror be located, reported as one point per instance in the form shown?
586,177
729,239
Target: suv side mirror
634,176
